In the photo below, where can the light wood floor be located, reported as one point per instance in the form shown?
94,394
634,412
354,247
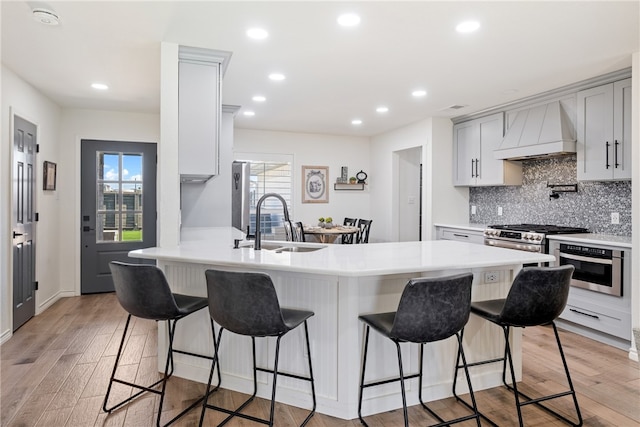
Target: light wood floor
54,372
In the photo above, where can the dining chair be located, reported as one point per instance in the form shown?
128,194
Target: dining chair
348,239
364,226
298,232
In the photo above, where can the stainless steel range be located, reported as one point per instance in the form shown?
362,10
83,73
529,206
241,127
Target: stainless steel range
525,237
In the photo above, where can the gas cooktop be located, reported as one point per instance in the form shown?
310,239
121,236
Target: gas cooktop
540,228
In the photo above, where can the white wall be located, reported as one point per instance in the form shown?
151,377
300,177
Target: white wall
635,195
89,124
441,201
22,99
318,150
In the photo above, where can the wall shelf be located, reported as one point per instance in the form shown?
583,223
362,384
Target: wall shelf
356,186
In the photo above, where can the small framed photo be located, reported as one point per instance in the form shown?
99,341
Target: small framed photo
49,176
314,184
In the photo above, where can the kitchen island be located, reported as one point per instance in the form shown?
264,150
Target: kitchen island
338,282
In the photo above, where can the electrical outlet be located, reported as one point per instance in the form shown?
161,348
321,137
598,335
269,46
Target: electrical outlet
473,210
499,210
491,276
615,218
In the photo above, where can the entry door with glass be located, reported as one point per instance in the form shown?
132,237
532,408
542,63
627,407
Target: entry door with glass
118,208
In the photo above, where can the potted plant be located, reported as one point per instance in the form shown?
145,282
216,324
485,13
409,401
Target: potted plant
352,180
328,222
321,222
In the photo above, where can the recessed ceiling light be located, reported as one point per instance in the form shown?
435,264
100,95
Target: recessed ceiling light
249,113
382,109
356,122
348,20
45,16
467,26
257,33
418,93
276,76
259,98
99,86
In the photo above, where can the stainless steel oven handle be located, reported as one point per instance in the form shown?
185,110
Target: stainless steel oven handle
586,259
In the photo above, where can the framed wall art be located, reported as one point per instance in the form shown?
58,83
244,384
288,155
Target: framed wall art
314,184
49,176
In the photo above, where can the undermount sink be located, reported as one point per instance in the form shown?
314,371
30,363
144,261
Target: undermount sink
279,247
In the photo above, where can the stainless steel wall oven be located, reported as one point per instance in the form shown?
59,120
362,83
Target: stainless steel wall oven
596,269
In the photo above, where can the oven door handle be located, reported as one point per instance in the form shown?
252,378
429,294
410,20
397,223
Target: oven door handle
586,259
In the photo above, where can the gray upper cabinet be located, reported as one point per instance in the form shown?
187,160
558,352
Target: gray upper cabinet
604,132
199,111
474,163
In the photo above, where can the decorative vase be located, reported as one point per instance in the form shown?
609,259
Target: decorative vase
328,225
321,224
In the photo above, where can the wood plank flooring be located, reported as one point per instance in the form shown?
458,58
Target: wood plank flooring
55,369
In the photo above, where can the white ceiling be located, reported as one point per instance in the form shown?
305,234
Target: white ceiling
334,74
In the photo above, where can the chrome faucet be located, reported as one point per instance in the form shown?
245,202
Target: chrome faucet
258,245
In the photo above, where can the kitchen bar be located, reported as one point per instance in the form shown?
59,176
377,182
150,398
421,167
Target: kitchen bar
338,282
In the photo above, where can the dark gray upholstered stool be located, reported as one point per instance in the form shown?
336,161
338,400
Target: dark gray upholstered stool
247,304
143,291
537,297
430,309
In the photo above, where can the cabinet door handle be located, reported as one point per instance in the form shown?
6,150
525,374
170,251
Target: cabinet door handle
477,174
606,152
584,314
472,175
461,235
615,153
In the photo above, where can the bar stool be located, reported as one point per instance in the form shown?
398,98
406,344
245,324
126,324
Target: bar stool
430,309
247,304
364,226
142,290
537,297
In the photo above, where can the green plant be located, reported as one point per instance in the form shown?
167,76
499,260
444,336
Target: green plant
352,179
321,219
329,219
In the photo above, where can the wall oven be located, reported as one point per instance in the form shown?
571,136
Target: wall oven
596,269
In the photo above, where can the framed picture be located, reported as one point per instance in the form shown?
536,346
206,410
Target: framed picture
314,184
49,176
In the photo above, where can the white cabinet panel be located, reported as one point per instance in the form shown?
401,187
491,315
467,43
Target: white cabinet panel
604,132
474,163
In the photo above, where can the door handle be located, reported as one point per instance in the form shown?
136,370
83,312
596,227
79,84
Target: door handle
17,234
606,151
615,154
87,228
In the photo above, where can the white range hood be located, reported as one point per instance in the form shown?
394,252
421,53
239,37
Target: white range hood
541,131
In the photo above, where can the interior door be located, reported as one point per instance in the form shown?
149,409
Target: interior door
118,207
23,217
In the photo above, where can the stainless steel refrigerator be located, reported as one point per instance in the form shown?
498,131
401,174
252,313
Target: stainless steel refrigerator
240,195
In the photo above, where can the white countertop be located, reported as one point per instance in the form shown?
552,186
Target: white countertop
465,226
216,248
594,239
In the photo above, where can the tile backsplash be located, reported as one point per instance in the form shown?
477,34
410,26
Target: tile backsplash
590,207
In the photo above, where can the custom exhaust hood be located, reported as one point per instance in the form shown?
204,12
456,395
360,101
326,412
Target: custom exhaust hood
538,132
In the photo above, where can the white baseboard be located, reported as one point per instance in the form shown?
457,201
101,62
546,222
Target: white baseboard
4,337
49,302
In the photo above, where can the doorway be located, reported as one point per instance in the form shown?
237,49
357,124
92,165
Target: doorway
118,207
409,190
22,222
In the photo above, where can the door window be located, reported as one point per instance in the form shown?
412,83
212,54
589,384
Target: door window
119,197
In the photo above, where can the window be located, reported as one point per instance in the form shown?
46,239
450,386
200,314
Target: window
270,175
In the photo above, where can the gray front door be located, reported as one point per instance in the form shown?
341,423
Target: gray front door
23,217
118,207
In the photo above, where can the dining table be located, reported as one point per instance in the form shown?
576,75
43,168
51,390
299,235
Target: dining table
328,235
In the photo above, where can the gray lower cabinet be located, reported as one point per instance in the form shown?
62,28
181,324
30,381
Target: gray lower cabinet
460,234
596,314
474,163
604,132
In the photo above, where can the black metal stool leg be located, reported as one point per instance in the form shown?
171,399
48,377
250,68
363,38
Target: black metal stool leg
313,387
514,387
364,365
216,345
404,397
